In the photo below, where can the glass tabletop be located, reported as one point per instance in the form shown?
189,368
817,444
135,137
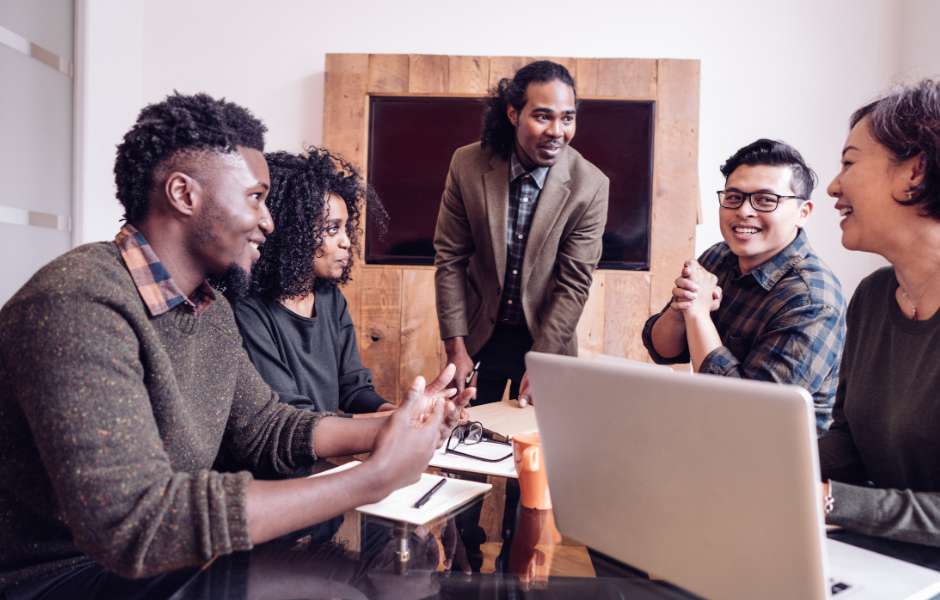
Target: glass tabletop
492,547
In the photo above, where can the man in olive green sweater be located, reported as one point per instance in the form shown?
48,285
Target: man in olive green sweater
122,374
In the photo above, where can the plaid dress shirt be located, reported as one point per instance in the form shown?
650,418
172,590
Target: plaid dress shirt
783,321
154,284
524,190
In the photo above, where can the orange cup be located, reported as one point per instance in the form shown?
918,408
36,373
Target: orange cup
530,468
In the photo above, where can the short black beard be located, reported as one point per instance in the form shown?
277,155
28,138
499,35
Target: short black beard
234,283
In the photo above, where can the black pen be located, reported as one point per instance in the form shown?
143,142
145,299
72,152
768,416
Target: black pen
424,499
476,367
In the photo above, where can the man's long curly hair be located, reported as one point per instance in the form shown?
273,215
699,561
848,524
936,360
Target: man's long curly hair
179,123
498,131
300,186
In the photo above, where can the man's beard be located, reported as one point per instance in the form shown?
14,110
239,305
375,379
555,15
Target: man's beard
233,283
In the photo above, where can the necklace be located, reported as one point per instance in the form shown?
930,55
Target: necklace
914,303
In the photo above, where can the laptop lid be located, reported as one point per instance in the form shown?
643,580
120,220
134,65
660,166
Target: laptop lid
629,362
708,482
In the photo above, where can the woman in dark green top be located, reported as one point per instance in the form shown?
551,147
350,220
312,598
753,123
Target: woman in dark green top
881,456
295,324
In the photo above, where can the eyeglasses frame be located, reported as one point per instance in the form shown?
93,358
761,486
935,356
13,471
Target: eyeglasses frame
750,199
460,440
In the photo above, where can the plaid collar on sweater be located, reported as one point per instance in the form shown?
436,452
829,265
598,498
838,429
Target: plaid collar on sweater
156,287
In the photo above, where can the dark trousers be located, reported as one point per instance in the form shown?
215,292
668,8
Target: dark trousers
502,359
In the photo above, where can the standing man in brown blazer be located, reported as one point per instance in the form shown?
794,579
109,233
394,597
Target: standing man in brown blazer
518,234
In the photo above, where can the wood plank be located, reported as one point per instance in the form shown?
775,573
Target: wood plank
344,132
428,73
491,513
627,77
388,73
347,63
626,311
380,329
469,75
352,291
344,115
591,324
506,66
675,175
586,79
421,345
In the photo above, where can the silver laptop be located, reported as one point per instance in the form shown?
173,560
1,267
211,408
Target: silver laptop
707,482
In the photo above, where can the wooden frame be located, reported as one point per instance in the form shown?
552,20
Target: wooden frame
393,306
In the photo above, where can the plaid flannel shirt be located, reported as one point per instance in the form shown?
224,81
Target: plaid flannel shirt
154,284
524,190
783,321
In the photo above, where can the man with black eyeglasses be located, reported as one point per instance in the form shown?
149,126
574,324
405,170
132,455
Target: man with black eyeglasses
760,305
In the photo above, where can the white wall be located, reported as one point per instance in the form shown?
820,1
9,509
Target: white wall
108,95
791,71
920,51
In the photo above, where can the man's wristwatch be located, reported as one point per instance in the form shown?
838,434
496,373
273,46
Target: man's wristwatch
828,501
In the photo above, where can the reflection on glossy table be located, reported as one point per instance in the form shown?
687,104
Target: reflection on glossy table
490,548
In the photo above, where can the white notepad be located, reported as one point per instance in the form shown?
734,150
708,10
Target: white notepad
399,505
454,462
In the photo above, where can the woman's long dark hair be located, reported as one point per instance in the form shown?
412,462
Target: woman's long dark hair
300,187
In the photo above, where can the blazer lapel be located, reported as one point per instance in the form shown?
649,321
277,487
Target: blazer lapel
496,191
551,201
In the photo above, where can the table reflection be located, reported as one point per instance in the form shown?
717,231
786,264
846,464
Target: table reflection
490,548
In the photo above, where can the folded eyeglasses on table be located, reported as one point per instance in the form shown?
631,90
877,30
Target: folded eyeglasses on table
477,446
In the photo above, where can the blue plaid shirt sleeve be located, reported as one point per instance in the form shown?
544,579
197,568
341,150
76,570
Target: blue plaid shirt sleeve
783,322
802,347
799,347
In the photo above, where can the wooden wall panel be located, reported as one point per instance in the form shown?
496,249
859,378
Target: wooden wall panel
344,105
586,78
626,77
388,73
627,296
379,329
393,308
591,325
347,63
506,66
469,75
344,129
421,346
353,294
675,175
428,74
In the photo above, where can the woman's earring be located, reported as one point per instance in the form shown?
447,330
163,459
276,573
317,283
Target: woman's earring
909,195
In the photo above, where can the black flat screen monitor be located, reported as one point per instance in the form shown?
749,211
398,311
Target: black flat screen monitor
411,142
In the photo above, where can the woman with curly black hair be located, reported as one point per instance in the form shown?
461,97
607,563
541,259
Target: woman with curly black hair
294,323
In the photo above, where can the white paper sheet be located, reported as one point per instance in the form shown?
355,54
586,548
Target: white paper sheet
399,505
